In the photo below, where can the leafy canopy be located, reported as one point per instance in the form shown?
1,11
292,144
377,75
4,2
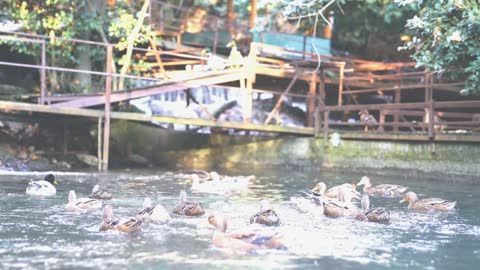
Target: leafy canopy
446,38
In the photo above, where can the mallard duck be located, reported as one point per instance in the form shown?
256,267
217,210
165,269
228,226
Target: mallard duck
333,191
428,204
187,208
157,214
100,194
75,203
44,187
320,188
247,240
127,225
340,207
379,215
385,190
266,216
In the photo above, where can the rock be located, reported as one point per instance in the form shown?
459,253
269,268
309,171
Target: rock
22,155
87,159
138,160
41,164
63,165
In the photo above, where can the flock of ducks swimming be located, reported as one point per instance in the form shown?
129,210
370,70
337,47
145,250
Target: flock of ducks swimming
334,202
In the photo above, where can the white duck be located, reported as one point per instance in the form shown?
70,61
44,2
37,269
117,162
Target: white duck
76,204
157,214
44,187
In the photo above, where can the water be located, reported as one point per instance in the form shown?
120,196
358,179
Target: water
37,233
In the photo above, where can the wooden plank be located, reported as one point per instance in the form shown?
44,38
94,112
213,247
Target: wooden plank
382,106
27,107
148,91
280,100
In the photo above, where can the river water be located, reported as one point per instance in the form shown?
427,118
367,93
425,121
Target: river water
37,233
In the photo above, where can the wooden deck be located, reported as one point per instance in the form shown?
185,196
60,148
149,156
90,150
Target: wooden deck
345,79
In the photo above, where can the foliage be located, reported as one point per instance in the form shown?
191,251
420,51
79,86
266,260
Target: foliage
80,19
369,29
446,38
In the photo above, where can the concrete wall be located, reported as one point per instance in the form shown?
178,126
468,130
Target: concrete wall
451,162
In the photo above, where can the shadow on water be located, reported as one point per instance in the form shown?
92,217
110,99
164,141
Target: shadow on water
38,233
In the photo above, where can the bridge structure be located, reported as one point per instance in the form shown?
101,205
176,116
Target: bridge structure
400,105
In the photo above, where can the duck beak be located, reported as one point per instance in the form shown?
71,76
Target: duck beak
55,182
403,200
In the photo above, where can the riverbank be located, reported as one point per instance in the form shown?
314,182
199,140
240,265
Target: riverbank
452,162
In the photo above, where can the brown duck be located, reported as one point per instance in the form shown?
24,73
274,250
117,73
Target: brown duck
188,208
427,204
248,239
266,216
378,215
127,225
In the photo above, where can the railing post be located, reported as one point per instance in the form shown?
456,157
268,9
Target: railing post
43,77
108,91
340,84
382,121
431,120
215,41
311,99
326,115
99,144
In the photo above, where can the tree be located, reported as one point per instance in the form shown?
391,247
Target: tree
446,38
80,19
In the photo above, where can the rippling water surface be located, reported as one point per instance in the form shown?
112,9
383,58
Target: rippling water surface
37,233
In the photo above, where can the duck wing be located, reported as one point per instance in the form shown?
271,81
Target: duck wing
379,215
34,185
193,209
266,217
146,211
130,225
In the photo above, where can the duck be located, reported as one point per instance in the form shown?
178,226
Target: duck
340,207
126,225
211,187
266,216
384,190
75,203
332,192
157,214
187,208
100,194
427,204
247,240
378,215
235,58
45,187
233,184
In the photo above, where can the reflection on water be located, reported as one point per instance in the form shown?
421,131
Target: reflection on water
37,233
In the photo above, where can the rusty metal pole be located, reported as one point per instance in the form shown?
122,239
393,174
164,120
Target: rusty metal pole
108,91
43,75
326,116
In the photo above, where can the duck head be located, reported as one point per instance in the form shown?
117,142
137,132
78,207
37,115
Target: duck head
72,196
409,197
220,223
365,181
215,176
147,202
183,196
50,178
107,213
95,188
365,202
265,205
320,188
